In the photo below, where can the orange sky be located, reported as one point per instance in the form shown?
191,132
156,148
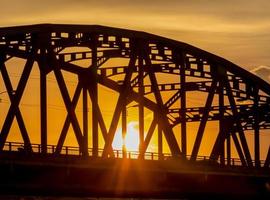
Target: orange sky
235,29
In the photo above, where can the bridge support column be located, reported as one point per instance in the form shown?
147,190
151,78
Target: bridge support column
43,111
256,130
221,120
160,145
141,106
94,87
85,121
183,105
43,103
228,148
124,129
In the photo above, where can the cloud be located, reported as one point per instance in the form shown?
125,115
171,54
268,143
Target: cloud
263,72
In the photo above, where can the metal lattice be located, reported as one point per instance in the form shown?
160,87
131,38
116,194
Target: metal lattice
236,99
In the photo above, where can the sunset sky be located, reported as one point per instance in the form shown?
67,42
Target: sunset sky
238,30
235,29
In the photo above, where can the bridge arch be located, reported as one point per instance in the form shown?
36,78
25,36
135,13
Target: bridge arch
158,74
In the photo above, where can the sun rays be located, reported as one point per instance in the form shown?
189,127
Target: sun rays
131,140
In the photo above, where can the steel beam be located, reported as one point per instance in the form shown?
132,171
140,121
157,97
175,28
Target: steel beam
85,122
43,101
18,114
68,105
67,122
202,125
238,124
141,104
124,129
194,70
121,99
182,113
256,129
94,88
162,119
16,100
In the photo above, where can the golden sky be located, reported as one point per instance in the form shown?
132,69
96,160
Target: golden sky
235,29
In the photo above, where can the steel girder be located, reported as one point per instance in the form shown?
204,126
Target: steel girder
236,99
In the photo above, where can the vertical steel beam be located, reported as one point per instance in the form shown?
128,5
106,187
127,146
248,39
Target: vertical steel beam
221,120
43,110
124,129
183,104
256,129
228,148
95,121
85,121
160,143
43,101
141,104
94,87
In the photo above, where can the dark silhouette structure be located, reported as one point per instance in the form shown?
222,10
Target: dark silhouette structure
235,99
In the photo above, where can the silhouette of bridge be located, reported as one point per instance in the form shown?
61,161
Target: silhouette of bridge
158,74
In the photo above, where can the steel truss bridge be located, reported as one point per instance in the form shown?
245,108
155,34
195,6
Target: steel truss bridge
160,76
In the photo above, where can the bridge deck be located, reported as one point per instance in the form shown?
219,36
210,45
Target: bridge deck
36,174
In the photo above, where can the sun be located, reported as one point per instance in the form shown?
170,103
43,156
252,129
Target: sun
131,140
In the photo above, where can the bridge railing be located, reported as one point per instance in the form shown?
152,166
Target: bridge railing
71,150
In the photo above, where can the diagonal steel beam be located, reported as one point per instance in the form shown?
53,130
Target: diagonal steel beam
149,134
238,124
18,114
267,160
173,99
162,118
101,121
135,81
67,101
121,100
219,143
239,149
109,83
16,100
200,132
65,128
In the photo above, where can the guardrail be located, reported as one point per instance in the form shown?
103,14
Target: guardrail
71,150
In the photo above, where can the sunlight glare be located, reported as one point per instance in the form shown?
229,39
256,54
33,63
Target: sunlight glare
131,140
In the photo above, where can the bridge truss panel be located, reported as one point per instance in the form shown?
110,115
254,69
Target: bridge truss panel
177,83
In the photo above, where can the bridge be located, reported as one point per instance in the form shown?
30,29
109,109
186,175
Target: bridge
208,116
